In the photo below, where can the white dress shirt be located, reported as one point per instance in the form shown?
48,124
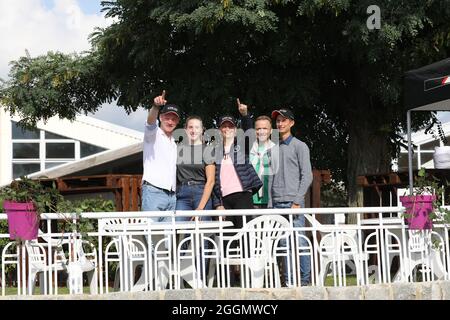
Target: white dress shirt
160,158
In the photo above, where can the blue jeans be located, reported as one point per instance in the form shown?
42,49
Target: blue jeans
188,198
154,199
305,261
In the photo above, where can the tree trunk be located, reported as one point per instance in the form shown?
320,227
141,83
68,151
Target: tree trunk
368,153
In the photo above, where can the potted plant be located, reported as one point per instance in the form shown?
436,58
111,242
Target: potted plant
423,205
23,201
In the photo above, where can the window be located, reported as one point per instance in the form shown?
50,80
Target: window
429,145
87,149
19,133
36,150
49,165
25,150
21,169
60,150
403,162
50,135
426,159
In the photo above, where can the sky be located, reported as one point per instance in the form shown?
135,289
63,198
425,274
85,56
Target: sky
55,25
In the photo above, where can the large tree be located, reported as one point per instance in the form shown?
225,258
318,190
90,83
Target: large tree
343,80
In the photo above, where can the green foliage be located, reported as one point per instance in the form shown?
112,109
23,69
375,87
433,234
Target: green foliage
425,184
53,84
27,190
316,56
45,199
83,226
85,205
333,195
437,132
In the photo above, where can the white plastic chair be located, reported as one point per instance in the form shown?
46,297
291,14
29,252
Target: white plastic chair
338,249
82,259
258,249
82,262
11,256
38,264
425,252
85,262
129,252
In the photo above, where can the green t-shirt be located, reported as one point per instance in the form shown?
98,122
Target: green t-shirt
257,199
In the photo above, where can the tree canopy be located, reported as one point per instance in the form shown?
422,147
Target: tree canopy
343,80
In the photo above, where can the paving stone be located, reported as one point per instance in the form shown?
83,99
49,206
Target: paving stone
436,290
185,294
445,289
257,294
232,294
404,291
312,293
344,293
284,294
377,292
424,291
210,294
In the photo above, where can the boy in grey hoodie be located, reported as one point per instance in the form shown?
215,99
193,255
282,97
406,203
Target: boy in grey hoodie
291,181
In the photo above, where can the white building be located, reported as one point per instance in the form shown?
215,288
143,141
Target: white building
56,143
424,145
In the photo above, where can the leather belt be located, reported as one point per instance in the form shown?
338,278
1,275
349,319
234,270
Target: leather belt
191,183
149,184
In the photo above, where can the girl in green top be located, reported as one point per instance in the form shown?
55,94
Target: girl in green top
260,157
260,153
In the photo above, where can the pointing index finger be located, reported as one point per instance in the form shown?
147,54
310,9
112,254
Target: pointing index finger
238,102
163,94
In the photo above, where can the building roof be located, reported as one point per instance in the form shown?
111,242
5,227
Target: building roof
420,137
100,163
91,130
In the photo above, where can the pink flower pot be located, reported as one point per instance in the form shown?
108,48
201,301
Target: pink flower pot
23,222
418,209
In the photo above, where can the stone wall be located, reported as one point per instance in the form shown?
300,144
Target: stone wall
437,290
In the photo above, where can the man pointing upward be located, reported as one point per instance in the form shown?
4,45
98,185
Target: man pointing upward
160,157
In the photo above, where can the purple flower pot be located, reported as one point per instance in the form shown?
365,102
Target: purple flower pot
418,209
23,222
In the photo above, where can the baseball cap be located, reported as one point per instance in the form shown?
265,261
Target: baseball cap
170,108
287,113
227,118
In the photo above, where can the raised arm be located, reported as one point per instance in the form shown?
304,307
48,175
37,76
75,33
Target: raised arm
246,119
154,110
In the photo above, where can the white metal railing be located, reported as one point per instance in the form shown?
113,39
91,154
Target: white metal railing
153,251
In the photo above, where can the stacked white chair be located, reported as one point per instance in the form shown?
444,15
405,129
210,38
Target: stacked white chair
11,256
257,251
338,250
128,251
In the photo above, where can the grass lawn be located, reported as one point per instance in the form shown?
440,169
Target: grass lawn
350,281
